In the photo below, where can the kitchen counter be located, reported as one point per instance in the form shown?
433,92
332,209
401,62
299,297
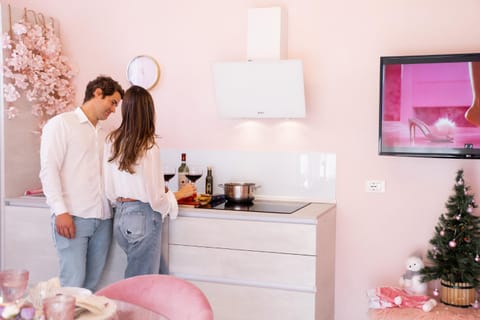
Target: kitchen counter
27,201
307,215
229,254
269,257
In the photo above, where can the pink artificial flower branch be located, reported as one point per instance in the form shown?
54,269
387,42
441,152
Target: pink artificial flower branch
36,68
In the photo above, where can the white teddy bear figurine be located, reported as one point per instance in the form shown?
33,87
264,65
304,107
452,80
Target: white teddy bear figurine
411,279
411,282
410,294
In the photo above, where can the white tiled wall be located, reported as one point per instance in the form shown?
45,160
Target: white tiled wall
307,176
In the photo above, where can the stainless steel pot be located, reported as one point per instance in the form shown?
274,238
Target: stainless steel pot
239,192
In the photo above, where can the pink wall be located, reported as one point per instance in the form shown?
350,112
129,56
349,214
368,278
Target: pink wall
340,43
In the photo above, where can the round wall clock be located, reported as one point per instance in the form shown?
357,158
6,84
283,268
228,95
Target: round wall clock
143,71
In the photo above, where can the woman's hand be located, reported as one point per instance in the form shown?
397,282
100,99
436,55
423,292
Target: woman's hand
186,191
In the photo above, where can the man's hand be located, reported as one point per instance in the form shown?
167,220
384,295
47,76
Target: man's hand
65,226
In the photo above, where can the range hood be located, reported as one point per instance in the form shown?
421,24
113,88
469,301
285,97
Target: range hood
265,85
260,89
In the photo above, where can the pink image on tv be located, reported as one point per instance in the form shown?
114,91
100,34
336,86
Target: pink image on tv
423,107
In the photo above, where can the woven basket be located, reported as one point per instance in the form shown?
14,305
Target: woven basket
457,294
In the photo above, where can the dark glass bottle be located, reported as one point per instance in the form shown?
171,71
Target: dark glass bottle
182,171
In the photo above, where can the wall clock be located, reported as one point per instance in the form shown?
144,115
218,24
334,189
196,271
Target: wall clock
143,71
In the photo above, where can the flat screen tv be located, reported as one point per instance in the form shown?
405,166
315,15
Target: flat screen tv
430,106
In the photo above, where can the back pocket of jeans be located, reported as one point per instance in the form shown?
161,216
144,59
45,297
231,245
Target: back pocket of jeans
133,226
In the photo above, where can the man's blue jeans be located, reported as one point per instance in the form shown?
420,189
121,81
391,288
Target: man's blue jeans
82,259
138,231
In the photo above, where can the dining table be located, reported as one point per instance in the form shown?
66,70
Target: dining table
119,310
113,310
88,306
95,307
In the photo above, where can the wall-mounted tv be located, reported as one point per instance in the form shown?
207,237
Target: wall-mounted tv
430,106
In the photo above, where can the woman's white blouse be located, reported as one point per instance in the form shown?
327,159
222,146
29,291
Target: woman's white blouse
146,184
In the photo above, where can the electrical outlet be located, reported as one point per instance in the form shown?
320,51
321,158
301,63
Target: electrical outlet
374,186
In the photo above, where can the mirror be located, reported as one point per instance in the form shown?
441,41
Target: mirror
143,71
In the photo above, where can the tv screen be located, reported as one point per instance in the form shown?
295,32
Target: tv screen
430,106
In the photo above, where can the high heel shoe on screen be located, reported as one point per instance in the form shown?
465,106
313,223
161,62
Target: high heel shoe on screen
432,137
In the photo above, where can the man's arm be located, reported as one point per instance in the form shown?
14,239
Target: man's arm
52,154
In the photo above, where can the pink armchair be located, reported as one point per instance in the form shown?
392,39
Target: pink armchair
175,298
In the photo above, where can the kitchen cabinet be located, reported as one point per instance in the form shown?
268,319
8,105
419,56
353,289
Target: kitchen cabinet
28,243
258,265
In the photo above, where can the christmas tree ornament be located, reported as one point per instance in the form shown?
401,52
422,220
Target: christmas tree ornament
458,217
477,258
460,182
476,304
442,232
452,244
469,209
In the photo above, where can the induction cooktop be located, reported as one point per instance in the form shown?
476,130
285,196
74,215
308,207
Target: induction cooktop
268,206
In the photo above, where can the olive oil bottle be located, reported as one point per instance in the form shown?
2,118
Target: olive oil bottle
209,181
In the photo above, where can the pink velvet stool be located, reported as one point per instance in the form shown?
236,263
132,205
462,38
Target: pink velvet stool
440,312
172,297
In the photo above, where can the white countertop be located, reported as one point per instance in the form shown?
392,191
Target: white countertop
27,201
306,215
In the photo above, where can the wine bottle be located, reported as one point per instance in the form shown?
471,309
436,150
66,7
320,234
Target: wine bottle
182,171
209,181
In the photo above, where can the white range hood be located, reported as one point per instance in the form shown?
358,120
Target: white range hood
264,86
260,89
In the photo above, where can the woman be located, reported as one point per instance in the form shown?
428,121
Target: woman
134,181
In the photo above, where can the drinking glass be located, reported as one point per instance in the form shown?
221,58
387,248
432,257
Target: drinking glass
194,173
168,173
13,284
59,307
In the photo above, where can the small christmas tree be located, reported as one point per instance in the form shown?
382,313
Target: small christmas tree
455,255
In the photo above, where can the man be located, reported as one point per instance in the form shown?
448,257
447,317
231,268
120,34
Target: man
71,160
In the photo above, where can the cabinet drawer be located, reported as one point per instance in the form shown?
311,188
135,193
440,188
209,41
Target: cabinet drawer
233,302
244,235
286,271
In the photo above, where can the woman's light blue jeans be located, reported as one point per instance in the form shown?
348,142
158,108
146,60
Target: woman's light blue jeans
138,231
82,259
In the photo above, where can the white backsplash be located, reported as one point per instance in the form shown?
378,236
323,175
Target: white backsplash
306,176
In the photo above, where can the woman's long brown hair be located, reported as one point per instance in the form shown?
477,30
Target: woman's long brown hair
136,133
